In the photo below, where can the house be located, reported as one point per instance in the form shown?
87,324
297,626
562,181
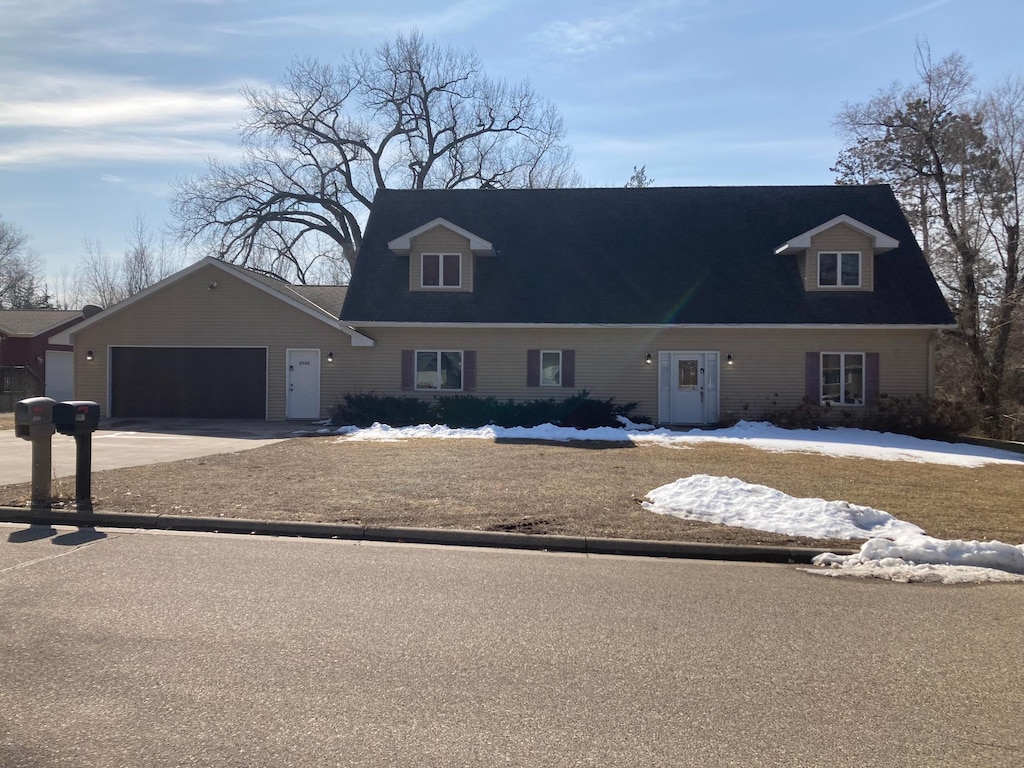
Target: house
698,304
29,364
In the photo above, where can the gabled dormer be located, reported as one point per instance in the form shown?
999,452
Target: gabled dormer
442,256
838,255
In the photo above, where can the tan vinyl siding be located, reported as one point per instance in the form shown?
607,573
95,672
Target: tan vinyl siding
188,313
768,371
440,240
840,238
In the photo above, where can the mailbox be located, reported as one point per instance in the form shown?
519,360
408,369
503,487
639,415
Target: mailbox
33,418
76,417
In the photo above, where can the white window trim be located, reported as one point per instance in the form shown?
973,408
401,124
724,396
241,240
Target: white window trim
440,272
560,367
438,352
842,379
839,269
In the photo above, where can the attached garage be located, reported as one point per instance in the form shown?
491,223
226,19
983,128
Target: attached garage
217,341
189,382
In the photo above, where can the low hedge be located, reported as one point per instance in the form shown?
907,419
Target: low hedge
580,411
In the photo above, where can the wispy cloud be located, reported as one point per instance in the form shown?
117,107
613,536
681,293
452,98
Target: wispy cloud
52,119
383,21
584,37
73,101
888,21
81,148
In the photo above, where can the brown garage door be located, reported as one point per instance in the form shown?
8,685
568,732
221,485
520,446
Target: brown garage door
188,382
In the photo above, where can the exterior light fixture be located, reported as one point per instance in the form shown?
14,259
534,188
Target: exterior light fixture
330,357
728,359
212,286
88,355
648,360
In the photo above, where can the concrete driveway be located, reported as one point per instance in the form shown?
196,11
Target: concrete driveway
134,442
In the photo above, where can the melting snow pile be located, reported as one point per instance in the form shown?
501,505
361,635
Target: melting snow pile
895,549
728,501
843,441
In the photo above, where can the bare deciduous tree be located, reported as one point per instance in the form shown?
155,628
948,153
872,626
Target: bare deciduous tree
410,114
639,179
104,280
21,283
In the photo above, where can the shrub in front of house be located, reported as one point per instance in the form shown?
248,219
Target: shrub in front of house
580,411
918,416
364,409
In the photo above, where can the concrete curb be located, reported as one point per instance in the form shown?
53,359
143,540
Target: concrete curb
438,536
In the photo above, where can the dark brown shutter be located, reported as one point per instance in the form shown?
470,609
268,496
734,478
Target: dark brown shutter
408,369
533,367
871,378
469,370
568,367
813,377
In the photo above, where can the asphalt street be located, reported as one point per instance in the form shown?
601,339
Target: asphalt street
124,648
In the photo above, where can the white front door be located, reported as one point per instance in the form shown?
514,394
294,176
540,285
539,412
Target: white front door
303,384
688,387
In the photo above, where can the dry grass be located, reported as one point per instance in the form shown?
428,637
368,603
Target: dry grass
7,420
575,489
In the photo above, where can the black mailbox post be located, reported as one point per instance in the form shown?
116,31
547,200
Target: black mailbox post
79,419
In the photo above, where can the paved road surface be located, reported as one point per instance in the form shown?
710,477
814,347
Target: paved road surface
133,442
143,649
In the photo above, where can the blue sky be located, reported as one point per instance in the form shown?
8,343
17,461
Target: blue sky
104,102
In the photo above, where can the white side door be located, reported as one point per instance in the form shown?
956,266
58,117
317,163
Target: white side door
60,383
303,381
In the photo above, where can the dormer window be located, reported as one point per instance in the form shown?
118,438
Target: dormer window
839,269
441,270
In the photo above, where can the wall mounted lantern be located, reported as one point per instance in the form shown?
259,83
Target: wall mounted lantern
88,355
648,360
728,359
330,357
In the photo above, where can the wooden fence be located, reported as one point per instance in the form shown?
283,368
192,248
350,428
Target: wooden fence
16,383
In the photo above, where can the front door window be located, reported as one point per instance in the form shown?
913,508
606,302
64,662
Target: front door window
688,374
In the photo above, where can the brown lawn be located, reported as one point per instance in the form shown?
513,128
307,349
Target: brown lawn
574,489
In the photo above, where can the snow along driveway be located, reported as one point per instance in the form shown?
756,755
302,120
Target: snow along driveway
895,549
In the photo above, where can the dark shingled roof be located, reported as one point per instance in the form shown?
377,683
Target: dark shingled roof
686,255
328,297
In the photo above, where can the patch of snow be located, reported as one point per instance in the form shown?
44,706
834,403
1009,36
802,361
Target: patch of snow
924,558
728,501
841,442
895,549
909,573
633,426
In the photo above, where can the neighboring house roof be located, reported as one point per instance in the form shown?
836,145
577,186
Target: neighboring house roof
677,255
33,322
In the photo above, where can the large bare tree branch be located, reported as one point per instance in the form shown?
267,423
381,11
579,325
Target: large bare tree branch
409,114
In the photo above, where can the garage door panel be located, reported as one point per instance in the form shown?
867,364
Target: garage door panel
188,382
